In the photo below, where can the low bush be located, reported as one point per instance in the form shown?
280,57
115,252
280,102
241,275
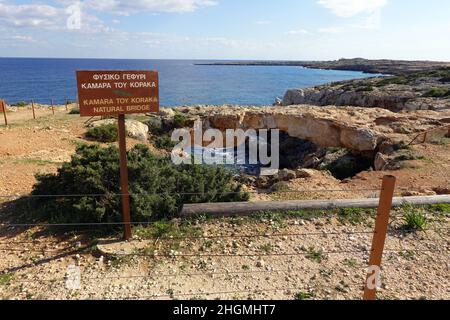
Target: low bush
165,142
155,128
106,133
415,220
353,215
281,186
180,120
158,187
365,89
392,80
74,111
438,93
20,104
442,208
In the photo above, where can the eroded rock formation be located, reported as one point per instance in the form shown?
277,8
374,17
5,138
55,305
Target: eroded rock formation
357,129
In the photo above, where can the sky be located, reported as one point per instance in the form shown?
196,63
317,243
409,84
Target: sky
226,29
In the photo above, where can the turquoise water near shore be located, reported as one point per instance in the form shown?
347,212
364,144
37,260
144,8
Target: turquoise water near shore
182,82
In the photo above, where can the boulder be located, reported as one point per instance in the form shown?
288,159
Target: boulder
293,96
167,113
393,162
304,173
287,175
381,162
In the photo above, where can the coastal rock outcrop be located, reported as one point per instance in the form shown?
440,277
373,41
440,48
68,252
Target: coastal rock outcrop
420,91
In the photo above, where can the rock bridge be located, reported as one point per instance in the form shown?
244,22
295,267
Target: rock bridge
362,130
306,123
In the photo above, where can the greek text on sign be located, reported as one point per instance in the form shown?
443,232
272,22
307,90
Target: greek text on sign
117,92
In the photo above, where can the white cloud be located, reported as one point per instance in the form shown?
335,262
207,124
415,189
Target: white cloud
29,15
127,7
263,22
19,38
332,30
297,32
349,8
46,17
372,22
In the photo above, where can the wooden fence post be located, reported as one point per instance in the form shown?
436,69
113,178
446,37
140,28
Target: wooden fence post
3,108
32,107
67,104
379,237
53,108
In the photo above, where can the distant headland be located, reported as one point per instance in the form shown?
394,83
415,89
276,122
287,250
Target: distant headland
385,66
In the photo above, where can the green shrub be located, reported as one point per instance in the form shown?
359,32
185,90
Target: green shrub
105,133
155,128
158,187
280,187
5,279
365,89
305,296
392,80
353,215
180,120
315,255
74,111
415,220
20,104
438,93
165,142
443,208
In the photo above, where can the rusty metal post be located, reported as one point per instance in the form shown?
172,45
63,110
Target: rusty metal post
53,108
124,178
3,107
380,233
32,107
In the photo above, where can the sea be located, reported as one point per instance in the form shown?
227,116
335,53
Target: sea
182,82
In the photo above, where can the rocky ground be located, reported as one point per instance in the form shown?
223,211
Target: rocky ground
269,257
291,256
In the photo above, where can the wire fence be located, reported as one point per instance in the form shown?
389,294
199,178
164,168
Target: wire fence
74,246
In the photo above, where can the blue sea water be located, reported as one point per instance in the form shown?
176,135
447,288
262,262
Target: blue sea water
181,81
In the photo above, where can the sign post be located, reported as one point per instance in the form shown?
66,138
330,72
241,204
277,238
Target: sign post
32,107
53,107
117,93
3,108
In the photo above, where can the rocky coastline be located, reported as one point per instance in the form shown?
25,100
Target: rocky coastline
388,67
424,90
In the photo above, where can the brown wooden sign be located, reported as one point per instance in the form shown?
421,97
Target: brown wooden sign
117,92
